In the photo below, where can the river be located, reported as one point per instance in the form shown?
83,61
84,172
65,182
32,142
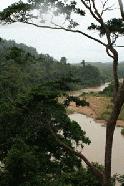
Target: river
96,132
90,89
95,151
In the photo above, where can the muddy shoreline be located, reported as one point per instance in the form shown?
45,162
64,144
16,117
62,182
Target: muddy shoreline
88,111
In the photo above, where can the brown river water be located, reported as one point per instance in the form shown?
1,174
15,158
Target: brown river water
90,89
96,132
95,151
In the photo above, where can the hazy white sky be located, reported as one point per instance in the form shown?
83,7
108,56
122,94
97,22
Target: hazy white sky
58,43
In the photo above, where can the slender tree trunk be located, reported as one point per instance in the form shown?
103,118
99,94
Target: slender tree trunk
110,127
121,8
118,103
108,152
116,80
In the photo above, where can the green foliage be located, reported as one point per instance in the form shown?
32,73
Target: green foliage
21,166
81,178
22,11
76,100
121,116
19,8
30,86
105,70
30,153
63,60
122,131
22,68
115,26
108,91
35,116
121,180
88,75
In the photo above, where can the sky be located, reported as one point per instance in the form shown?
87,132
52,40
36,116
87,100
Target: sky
74,47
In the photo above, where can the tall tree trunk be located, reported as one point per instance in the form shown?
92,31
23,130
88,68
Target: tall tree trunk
121,8
108,152
115,77
110,127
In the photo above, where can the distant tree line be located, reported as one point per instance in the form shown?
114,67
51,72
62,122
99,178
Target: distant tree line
22,68
106,70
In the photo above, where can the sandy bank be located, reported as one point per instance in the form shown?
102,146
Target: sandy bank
91,112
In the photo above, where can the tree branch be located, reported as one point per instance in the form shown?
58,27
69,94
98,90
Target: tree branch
107,51
90,9
99,19
68,30
109,46
94,170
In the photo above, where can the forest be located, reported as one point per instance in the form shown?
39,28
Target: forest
106,69
30,85
23,69
40,145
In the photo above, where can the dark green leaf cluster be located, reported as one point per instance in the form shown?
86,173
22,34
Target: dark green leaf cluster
121,180
122,131
106,70
108,91
17,11
77,101
30,154
83,177
115,26
88,75
21,12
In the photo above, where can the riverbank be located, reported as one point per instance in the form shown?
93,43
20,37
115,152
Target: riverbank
96,150
99,109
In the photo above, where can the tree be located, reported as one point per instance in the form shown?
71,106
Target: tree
63,60
121,8
31,153
83,63
111,30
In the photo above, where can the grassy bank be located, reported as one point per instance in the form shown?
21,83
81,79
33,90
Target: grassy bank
122,131
100,107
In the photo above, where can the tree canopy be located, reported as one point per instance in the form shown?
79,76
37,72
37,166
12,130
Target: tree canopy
111,29
29,139
22,68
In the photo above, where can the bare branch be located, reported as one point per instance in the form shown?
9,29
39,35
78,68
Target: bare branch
109,47
90,9
96,11
98,18
114,38
107,9
119,46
